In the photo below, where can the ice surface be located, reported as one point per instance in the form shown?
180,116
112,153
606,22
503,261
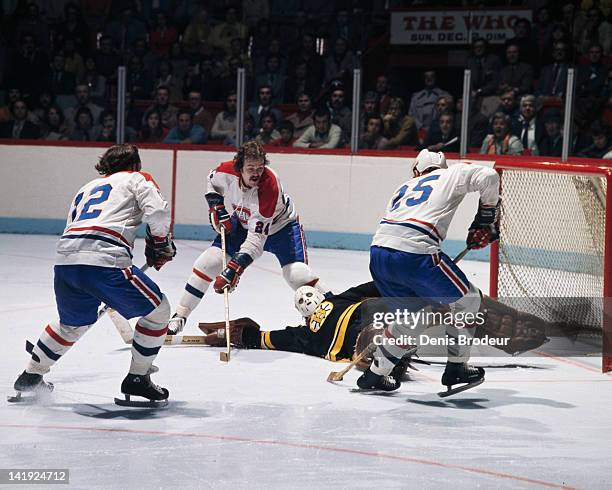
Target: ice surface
269,419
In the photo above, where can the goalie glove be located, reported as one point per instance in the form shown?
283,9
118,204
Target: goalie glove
485,227
228,279
244,333
158,250
218,215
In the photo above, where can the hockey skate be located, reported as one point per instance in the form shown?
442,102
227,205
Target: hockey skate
176,324
458,372
399,372
33,385
370,381
135,385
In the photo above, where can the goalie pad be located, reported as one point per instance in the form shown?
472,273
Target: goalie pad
364,339
524,331
215,333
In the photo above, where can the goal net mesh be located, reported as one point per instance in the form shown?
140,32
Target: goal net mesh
551,250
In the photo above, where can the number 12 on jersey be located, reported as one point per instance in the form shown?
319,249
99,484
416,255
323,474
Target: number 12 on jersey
413,200
102,191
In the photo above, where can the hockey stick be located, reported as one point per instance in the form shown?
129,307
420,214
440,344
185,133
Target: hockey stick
339,375
185,340
225,356
121,324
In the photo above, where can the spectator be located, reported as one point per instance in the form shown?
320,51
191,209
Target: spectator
350,30
133,116
307,54
383,90
552,142
222,34
19,127
292,33
200,115
149,62
30,65
108,127
601,142
590,86
478,124
485,69
55,128
422,102
13,95
302,119
95,81
339,65
372,138
301,82
341,115
249,132
197,31
225,121
399,128
262,37
559,34
162,37
138,83
237,51
59,81
501,142
254,11
73,60
83,124
272,78
162,104
445,103
446,137
286,130
268,131
322,134
274,49
516,75
45,100
264,104
509,104
33,25
542,31
73,27
125,29
186,132
165,78
527,127
107,59
596,30
369,108
153,131
553,77
83,100
523,38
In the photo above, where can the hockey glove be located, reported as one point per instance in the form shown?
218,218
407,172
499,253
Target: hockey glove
158,250
218,215
228,279
485,227
244,333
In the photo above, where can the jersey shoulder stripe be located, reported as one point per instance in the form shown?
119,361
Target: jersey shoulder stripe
227,168
267,192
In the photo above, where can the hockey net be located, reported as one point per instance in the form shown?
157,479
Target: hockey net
554,255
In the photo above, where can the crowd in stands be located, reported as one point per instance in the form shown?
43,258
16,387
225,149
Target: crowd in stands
59,61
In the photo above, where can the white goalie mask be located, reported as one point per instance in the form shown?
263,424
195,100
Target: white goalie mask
307,299
428,159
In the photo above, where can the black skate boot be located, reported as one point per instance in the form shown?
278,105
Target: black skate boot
29,383
459,372
400,370
370,381
142,386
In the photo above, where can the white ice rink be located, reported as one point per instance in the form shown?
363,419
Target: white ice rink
269,419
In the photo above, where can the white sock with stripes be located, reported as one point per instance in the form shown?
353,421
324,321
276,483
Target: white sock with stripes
149,336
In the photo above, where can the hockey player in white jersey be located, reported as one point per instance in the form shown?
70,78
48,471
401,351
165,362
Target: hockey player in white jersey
408,266
261,218
94,266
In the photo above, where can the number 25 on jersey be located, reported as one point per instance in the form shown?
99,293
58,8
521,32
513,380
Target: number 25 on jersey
419,193
98,195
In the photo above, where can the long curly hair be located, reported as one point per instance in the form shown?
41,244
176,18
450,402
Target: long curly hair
252,150
118,158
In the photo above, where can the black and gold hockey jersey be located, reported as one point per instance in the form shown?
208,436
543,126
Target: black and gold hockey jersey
331,331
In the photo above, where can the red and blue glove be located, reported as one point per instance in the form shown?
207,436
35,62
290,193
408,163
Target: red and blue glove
218,215
485,227
158,250
228,279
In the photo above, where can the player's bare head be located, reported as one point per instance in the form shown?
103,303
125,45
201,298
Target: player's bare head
250,161
428,161
118,158
307,299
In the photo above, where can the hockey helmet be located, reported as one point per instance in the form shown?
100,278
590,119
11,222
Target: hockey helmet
428,159
307,299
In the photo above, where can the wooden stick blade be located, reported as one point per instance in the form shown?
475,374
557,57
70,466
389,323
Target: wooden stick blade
224,357
334,376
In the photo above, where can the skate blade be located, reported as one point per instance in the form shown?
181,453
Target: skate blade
373,391
127,401
459,389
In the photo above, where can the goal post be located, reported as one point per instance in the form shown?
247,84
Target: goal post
555,247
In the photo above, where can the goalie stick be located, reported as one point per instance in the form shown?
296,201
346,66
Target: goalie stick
225,356
338,376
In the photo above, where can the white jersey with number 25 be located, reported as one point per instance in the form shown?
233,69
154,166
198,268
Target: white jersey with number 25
418,215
